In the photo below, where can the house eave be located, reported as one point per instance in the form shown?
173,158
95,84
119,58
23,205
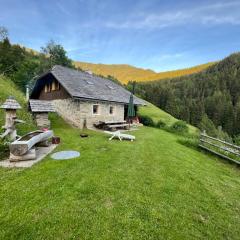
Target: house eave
103,100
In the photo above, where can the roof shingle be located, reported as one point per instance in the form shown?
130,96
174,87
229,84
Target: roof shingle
89,86
41,106
10,103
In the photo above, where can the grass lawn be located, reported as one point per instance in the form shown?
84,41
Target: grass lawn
153,188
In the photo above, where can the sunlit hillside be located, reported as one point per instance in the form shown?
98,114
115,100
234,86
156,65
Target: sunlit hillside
126,73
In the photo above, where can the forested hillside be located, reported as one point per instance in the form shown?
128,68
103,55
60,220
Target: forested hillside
22,66
206,99
125,73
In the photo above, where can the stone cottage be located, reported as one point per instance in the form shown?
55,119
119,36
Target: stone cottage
83,98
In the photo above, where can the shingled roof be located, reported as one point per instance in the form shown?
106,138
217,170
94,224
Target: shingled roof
11,103
41,106
84,85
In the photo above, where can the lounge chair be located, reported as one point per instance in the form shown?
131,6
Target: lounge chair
120,136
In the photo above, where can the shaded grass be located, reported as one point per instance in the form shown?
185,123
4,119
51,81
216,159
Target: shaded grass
153,188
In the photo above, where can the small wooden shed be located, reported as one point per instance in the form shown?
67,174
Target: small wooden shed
40,110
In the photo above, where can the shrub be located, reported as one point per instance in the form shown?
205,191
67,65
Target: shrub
4,151
179,127
191,141
237,140
147,121
207,125
161,124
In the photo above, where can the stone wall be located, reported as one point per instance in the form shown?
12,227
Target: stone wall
77,111
42,120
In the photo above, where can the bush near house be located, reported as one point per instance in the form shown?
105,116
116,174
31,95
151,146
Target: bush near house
179,127
157,114
152,116
147,121
160,124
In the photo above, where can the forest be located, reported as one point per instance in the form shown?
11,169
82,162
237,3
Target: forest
22,66
209,100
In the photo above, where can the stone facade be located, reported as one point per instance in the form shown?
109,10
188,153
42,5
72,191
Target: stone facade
42,120
78,112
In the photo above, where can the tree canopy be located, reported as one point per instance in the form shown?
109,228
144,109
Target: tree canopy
56,55
22,65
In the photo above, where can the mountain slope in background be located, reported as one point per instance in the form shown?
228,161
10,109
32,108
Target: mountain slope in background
205,99
125,73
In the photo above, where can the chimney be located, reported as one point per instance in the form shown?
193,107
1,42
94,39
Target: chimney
89,72
27,92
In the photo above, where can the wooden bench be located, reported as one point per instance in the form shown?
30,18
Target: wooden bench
112,125
117,126
115,122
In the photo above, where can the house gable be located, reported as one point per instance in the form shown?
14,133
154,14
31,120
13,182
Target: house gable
49,88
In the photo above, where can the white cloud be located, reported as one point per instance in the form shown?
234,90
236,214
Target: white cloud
219,13
167,56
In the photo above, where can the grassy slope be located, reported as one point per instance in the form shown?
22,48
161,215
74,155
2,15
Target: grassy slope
158,114
7,88
126,73
154,188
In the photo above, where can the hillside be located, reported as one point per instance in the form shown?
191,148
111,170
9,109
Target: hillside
158,114
8,88
126,73
205,99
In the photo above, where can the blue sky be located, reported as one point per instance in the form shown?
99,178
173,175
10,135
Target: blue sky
159,35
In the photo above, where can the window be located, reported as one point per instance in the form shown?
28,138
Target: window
57,86
89,82
111,110
95,109
53,86
110,87
47,88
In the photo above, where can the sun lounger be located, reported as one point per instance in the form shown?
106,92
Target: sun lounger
120,136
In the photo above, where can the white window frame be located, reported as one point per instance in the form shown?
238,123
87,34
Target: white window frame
98,112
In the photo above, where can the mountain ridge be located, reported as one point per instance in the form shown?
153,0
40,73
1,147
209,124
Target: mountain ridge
126,72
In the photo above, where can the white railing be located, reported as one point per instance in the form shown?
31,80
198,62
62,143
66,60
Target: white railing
221,148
